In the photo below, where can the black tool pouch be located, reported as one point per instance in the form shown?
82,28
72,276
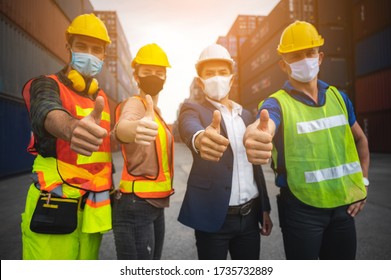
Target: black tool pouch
54,215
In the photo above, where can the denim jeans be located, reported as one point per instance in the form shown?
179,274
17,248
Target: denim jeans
315,233
138,228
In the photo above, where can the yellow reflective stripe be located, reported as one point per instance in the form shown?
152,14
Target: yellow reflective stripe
145,186
96,157
163,148
83,112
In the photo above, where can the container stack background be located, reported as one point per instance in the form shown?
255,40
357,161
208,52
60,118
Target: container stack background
372,49
32,44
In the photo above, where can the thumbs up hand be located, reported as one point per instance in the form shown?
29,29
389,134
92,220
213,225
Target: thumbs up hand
87,136
210,143
147,128
258,139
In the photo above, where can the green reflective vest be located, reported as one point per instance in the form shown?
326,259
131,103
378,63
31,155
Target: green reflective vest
322,163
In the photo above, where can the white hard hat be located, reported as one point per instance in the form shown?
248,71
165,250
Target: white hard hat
214,52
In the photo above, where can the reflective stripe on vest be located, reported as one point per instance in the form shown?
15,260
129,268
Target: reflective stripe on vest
158,187
322,163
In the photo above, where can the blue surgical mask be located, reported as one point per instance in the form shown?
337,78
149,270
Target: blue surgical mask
86,64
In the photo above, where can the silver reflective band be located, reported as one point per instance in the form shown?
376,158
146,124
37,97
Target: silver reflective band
332,173
320,124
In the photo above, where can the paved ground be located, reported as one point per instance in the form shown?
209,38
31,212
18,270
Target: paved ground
373,224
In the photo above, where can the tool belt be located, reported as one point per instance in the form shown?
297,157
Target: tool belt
55,215
243,209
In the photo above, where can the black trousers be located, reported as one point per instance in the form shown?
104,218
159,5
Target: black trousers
314,233
239,235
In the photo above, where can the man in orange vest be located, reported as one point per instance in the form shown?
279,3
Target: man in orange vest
148,152
68,205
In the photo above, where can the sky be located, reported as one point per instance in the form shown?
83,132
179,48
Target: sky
183,28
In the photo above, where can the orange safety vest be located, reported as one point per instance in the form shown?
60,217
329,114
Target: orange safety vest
144,186
91,173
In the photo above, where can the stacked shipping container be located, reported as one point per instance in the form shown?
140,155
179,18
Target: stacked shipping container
259,72
118,56
372,45
240,30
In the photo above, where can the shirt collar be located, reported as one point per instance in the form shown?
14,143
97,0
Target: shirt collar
322,88
236,108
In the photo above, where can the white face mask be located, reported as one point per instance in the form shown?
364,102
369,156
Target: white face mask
217,87
304,70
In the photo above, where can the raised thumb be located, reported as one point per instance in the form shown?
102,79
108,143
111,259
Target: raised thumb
216,120
149,110
98,109
264,121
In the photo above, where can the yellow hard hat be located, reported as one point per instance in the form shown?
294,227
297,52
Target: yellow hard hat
151,54
88,25
298,36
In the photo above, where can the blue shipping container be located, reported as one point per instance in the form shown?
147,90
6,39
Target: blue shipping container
374,53
15,134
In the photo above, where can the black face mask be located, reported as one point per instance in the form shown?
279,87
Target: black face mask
151,84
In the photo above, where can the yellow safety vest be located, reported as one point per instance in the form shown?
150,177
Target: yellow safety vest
321,159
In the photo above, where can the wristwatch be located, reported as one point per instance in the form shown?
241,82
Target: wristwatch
365,181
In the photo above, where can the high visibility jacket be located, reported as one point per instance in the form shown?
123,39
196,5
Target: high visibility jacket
322,164
147,186
71,175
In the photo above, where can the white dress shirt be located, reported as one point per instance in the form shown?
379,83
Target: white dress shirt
244,187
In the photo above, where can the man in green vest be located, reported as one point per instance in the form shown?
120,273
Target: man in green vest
319,153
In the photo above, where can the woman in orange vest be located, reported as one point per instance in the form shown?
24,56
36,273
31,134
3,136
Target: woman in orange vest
147,149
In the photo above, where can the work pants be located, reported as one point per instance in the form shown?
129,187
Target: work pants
73,246
314,233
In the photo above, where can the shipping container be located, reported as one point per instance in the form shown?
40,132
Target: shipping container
262,59
118,57
244,25
336,71
284,13
42,20
307,11
22,58
376,126
15,134
336,41
261,86
370,16
332,12
373,92
123,77
122,93
108,83
73,8
373,53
